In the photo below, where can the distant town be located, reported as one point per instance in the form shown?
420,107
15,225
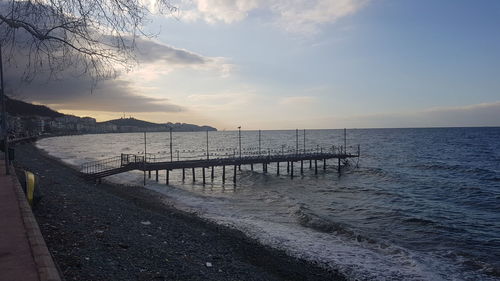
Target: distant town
25,119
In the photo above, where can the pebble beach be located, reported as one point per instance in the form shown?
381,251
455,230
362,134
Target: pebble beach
113,232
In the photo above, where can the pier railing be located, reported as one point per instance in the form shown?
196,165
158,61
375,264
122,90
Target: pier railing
115,162
186,155
101,165
221,156
123,160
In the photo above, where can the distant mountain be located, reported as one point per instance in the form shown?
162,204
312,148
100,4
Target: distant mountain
20,108
132,122
176,127
184,127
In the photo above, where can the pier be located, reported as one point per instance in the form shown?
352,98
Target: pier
290,161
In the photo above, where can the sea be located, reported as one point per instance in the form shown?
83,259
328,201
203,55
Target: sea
418,204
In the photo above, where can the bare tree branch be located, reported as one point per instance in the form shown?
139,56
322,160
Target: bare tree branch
95,36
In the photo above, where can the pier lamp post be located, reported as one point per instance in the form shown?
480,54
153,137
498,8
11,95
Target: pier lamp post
4,117
304,141
171,151
207,147
239,138
345,141
259,141
296,141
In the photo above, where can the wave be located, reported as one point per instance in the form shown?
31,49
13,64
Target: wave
306,218
420,221
472,264
377,173
457,168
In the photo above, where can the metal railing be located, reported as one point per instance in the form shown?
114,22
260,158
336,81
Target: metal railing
115,162
190,155
101,165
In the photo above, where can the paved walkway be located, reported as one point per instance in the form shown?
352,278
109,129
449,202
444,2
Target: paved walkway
23,253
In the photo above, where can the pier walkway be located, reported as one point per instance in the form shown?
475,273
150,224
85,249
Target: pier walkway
148,162
128,162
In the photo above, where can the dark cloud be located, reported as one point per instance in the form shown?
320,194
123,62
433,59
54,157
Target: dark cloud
150,51
76,94
61,77
71,90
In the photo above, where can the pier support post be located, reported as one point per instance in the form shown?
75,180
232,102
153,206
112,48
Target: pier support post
324,164
287,167
301,166
194,176
278,168
234,174
291,170
156,175
251,167
315,166
183,174
223,173
167,176
339,166
203,174
149,174
212,174
310,163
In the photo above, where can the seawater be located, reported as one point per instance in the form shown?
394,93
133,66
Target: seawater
424,204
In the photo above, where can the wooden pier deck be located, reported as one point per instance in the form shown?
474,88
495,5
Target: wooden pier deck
128,162
148,162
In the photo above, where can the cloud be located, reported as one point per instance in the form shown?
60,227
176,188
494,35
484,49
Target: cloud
111,96
150,51
62,80
484,114
305,16
73,91
302,16
233,101
227,11
158,59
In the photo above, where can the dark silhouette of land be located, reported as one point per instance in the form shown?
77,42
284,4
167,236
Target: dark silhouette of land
20,108
26,119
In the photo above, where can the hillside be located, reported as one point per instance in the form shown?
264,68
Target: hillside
184,127
20,108
132,122
177,127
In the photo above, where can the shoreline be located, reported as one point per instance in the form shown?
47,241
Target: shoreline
118,224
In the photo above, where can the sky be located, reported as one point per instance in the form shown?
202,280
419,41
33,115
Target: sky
286,64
